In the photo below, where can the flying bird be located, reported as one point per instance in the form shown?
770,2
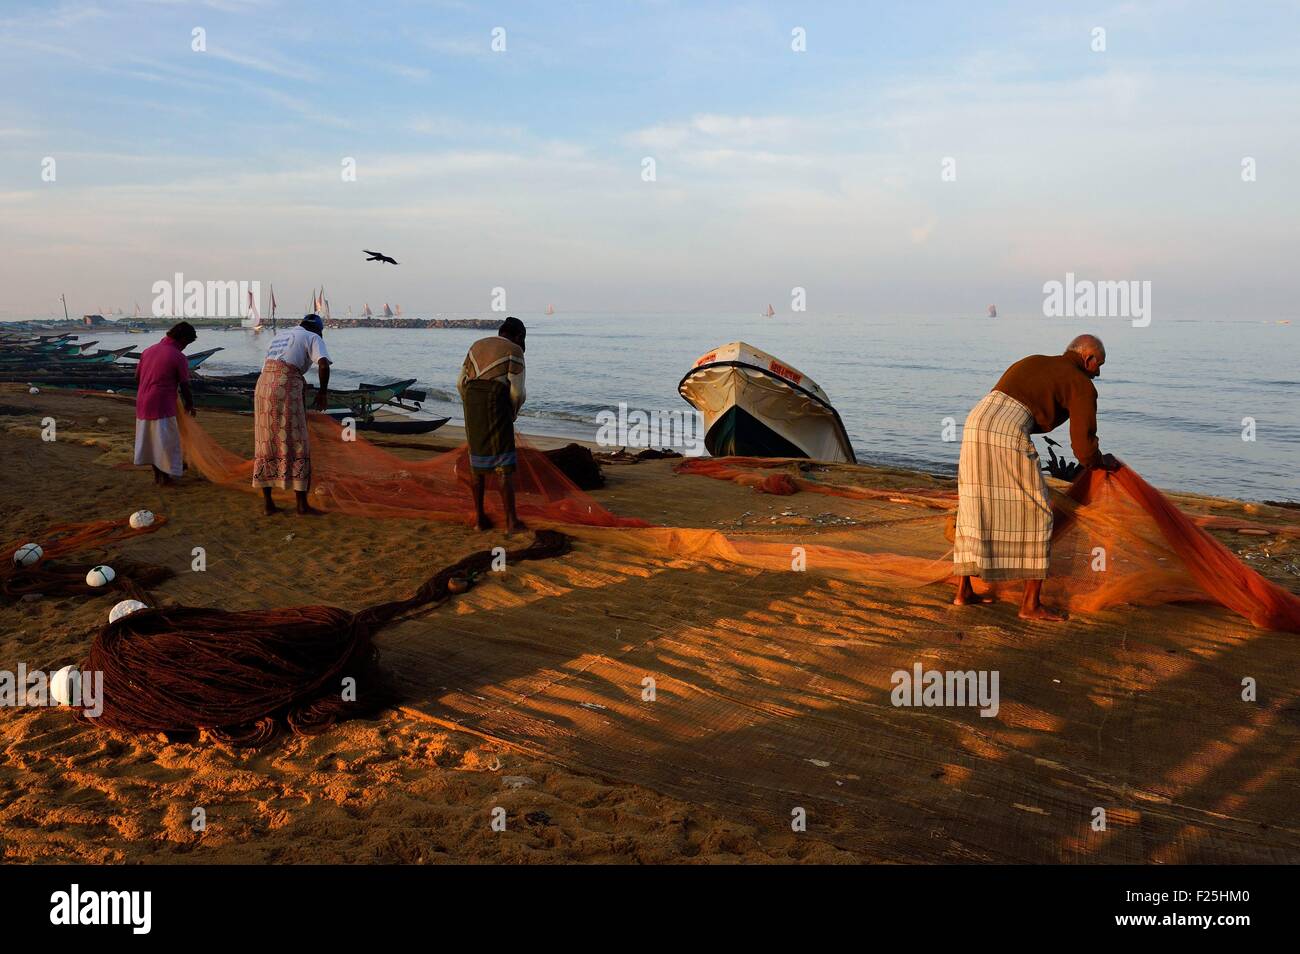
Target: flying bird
379,257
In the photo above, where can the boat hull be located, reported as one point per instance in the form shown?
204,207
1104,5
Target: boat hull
755,405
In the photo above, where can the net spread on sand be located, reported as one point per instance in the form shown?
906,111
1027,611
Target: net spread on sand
1117,539
51,578
356,477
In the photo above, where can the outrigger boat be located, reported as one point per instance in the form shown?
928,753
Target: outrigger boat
37,359
755,405
194,360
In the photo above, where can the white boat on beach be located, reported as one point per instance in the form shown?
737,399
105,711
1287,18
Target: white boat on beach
755,405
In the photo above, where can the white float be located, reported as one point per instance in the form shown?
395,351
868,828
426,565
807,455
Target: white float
124,608
28,554
100,576
33,390
141,519
61,685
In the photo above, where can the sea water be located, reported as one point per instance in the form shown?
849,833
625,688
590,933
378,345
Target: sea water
1205,406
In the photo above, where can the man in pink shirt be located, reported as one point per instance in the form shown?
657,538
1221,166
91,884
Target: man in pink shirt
161,370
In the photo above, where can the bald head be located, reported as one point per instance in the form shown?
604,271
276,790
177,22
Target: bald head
1091,350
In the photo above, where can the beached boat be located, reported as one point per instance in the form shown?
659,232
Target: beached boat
194,360
407,392
755,405
57,360
392,425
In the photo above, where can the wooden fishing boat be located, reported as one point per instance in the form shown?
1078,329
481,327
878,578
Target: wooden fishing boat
755,405
391,425
195,360
52,360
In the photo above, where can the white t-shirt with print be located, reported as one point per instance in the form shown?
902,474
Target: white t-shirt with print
298,347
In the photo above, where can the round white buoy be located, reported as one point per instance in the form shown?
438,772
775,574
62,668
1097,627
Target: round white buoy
100,576
141,518
101,421
28,554
61,685
124,608
33,390
110,391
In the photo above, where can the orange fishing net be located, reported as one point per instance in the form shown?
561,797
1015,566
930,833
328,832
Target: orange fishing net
1117,540
356,477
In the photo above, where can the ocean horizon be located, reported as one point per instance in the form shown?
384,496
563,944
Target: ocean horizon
1176,398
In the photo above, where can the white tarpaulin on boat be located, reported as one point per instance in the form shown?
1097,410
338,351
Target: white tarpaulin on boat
756,405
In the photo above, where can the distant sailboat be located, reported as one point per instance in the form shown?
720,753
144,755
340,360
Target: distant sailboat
770,312
273,308
137,309
388,312
550,309
993,311
397,311
253,321
321,305
367,313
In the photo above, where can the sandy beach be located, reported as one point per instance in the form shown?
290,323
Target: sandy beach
526,694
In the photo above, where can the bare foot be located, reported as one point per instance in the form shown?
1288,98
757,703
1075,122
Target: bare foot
484,522
974,599
1041,613
270,509
514,526
307,510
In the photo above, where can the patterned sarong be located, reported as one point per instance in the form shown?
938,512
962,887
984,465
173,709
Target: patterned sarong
282,453
1004,514
490,426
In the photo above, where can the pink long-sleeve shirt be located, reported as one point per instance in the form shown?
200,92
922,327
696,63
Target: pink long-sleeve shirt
161,370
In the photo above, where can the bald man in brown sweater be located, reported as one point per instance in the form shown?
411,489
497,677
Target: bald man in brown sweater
1004,513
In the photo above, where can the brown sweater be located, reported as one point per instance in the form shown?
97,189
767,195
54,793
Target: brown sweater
1055,388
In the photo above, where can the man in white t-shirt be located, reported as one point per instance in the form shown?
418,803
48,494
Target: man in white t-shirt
301,347
281,448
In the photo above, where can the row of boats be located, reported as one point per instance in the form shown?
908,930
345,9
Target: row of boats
753,403
62,361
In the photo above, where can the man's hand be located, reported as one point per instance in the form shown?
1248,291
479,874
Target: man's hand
321,402
1109,463
191,411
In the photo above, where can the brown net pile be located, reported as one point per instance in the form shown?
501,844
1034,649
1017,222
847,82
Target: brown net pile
51,578
241,676
1117,540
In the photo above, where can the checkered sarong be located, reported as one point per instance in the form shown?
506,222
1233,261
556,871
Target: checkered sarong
1004,514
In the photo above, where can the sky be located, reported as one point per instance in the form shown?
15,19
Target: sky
524,168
